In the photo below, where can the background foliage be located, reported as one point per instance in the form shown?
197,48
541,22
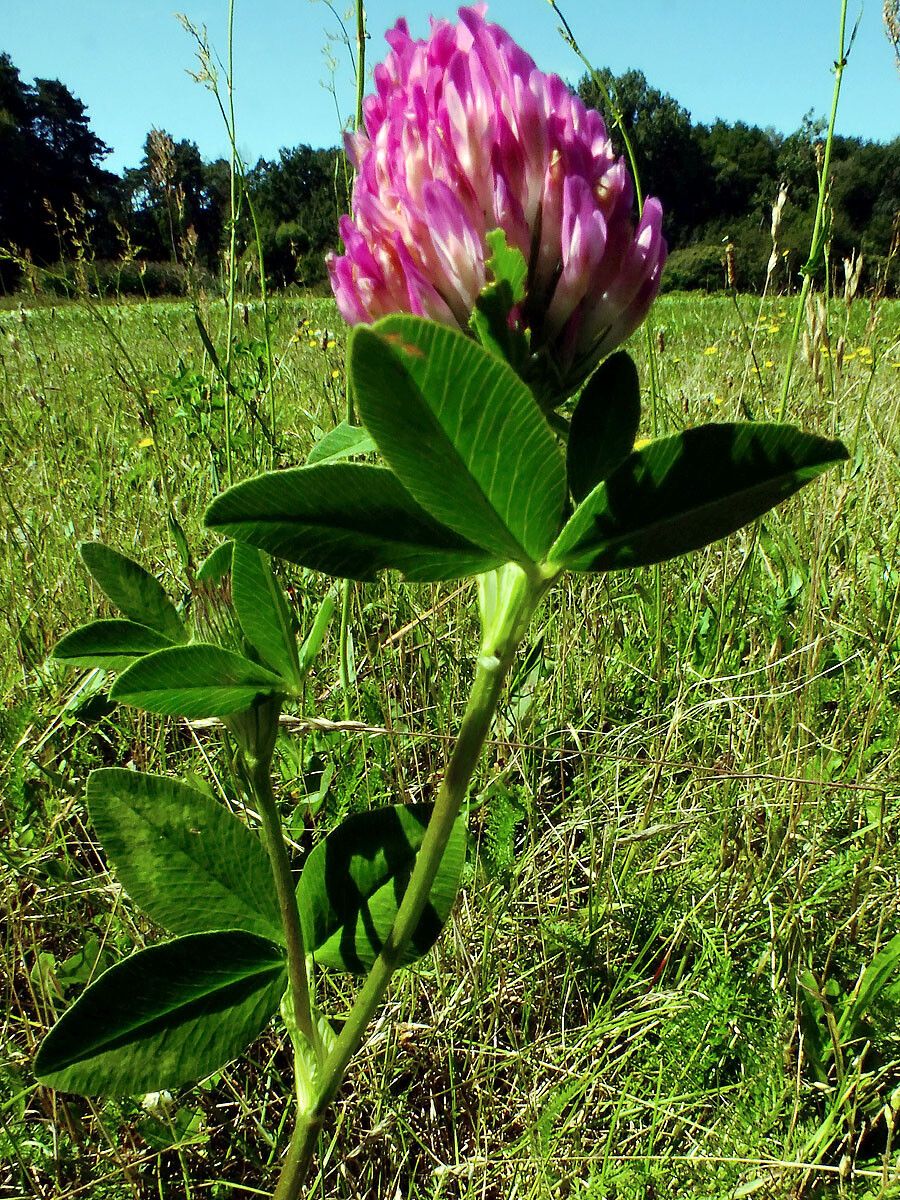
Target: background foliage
682,861
717,184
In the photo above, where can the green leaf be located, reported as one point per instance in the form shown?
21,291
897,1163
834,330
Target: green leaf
166,1016
346,519
312,643
816,1011
682,492
180,539
352,884
507,271
133,590
260,605
111,645
341,442
869,988
216,565
604,424
194,681
462,433
189,862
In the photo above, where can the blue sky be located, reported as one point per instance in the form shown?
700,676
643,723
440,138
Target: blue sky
763,61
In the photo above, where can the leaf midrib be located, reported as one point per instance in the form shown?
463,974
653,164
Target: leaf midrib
266,678
328,526
179,852
495,519
802,475
100,1046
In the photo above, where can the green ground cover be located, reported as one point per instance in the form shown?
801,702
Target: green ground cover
670,970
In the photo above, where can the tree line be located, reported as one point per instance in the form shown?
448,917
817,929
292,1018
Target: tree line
155,225
719,183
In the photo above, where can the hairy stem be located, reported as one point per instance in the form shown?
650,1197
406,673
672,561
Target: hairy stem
298,983
298,1158
504,629
344,645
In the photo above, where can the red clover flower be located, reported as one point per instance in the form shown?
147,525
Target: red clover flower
462,136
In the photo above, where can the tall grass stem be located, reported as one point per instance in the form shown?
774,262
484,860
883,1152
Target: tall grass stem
347,587
232,241
817,242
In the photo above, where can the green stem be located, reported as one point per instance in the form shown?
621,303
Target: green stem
506,617
298,1158
232,242
610,102
360,60
347,589
818,236
267,318
259,768
344,645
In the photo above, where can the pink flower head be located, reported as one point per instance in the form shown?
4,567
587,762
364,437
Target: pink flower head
464,135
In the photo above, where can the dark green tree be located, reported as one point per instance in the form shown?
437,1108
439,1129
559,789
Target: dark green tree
797,161
670,153
865,192
743,165
298,200
53,189
175,198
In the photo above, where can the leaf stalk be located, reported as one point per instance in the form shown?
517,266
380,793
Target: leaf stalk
259,769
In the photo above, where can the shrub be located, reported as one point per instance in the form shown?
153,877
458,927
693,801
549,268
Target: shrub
693,267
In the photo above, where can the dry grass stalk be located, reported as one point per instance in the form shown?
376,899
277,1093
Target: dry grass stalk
852,273
777,214
816,345
892,26
161,159
730,266
163,173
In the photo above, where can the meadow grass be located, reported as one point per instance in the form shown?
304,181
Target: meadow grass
685,844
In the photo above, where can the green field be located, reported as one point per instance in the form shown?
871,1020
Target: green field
685,835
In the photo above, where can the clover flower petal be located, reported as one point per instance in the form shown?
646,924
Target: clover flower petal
464,135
